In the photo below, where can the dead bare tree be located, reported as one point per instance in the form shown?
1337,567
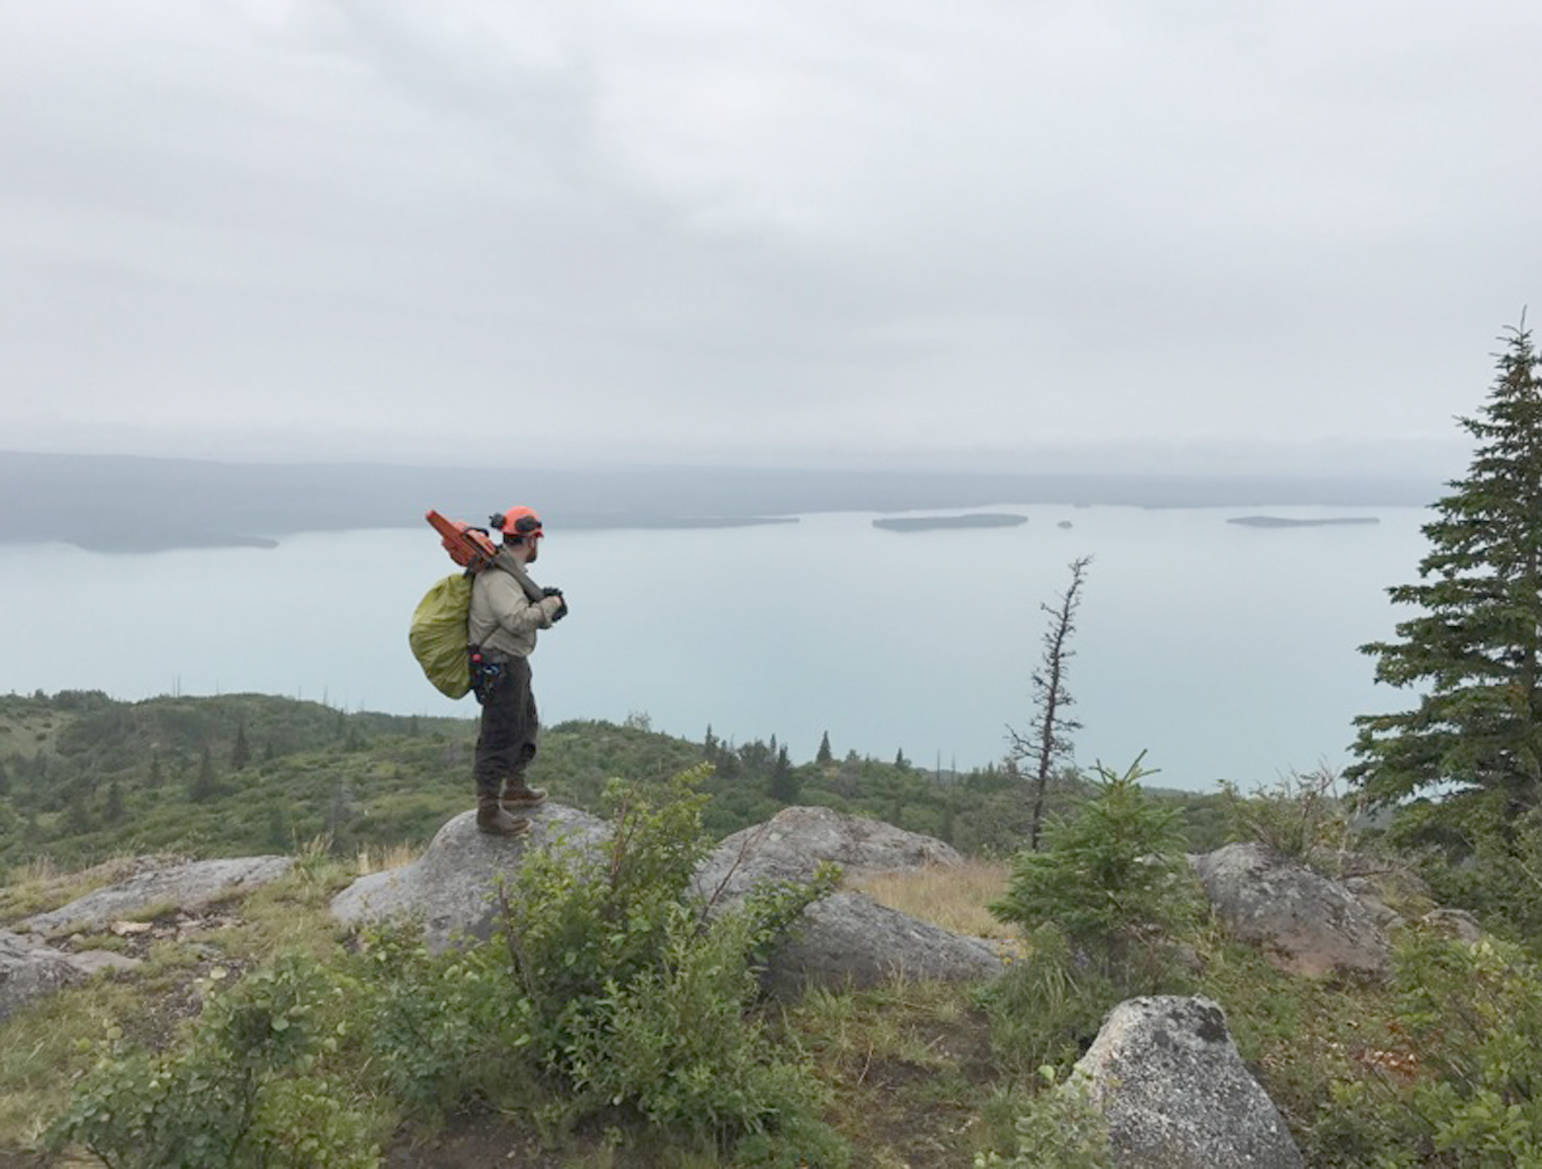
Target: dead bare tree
1049,741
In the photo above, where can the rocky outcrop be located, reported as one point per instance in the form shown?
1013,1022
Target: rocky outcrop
848,939
184,886
791,845
1304,922
1175,1093
450,888
29,970
845,939
1368,892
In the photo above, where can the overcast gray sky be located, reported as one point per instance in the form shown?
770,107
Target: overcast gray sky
780,232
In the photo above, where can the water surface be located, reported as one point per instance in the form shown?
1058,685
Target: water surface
1222,650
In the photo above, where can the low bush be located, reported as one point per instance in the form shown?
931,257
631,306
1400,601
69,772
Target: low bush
247,1090
1302,816
1480,857
1060,1129
1462,1085
606,992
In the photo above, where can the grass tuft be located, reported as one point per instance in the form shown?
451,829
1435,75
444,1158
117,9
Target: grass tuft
382,858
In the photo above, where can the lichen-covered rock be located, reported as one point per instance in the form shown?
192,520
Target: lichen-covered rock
848,939
1175,1093
29,970
184,886
95,961
1368,893
450,888
1304,922
791,845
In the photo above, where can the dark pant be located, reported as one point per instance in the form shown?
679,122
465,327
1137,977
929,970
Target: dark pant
506,744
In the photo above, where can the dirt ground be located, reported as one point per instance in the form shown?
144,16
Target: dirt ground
482,1142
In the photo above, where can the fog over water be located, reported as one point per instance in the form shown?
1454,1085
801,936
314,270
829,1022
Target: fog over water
1226,652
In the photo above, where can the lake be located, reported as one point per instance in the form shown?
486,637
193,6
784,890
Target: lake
1223,651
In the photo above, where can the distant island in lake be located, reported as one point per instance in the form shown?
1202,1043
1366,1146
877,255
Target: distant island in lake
929,523
1274,521
119,503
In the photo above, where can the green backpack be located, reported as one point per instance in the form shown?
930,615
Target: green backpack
440,629
438,635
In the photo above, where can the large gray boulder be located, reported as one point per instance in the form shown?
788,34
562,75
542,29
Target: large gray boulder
184,886
791,845
1175,1093
29,970
1304,922
848,939
450,888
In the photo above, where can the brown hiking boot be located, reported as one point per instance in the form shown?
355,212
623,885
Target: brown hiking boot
492,819
517,795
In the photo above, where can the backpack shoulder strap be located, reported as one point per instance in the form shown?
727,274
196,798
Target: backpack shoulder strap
505,561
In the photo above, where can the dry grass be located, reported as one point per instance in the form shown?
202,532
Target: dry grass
953,897
379,858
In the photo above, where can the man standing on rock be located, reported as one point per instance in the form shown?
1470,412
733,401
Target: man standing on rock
507,608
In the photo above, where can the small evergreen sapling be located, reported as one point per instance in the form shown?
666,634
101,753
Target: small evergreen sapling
1109,877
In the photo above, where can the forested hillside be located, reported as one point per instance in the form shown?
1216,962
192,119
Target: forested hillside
84,777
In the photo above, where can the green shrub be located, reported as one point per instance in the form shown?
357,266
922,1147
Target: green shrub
243,1091
444,1029
606,992
1111,877
677,1045
1301,816
1060,1129
1464,1088
1482,857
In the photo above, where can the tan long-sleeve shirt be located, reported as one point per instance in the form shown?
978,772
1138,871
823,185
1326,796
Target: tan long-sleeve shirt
503,620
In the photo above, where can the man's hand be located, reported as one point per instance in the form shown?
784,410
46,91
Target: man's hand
562,609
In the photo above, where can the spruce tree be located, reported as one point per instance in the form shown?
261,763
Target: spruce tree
1473,647
278,829
241,752
204,787
785,784
825,755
